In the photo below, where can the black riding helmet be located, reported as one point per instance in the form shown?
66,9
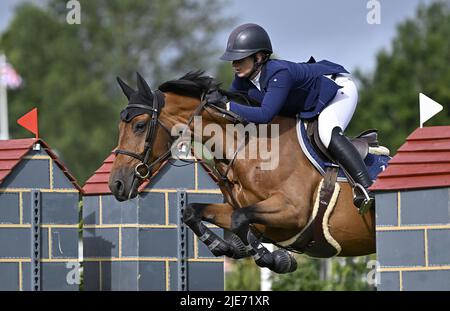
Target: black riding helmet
246,40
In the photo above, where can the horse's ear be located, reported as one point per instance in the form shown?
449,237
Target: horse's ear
127,90
143,87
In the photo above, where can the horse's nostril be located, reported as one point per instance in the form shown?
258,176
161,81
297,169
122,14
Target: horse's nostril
119,186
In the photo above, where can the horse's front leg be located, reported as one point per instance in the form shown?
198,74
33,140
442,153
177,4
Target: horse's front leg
219,215
276,212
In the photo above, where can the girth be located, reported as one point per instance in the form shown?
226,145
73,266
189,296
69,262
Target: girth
312,240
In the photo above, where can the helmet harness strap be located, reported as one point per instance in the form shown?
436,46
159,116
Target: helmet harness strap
258,64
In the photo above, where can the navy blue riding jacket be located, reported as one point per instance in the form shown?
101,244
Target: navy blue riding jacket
288,89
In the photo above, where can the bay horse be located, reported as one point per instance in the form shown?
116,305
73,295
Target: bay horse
260,205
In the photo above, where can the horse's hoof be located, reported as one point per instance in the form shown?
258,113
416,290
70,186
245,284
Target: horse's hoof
284,262
238,247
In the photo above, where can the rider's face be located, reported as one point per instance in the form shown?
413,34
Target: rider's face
243,67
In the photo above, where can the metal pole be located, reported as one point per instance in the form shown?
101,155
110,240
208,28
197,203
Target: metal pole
4,133
183,283
35,240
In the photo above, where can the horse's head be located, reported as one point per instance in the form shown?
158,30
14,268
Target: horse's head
145,139
140,150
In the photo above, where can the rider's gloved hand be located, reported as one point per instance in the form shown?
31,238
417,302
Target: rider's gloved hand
216,98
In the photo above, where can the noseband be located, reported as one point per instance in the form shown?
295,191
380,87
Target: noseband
143,169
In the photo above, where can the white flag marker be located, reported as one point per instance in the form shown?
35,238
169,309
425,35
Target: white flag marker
427,108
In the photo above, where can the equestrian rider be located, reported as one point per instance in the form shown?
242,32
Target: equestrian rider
314,89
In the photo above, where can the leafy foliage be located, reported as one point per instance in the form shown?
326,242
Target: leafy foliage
312,274
347,274
69,70
244,276
416,62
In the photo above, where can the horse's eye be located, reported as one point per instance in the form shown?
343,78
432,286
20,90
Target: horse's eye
140,127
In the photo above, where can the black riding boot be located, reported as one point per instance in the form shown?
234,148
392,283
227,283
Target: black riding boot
346,155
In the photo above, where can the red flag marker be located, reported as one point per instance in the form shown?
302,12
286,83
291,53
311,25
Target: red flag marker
30,122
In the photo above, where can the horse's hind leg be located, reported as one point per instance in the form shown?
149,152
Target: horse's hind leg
277,212
220,215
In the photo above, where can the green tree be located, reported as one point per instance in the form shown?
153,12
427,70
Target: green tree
305,278
161,39
346,274
55,69
417,61
69,70
350,274
245,275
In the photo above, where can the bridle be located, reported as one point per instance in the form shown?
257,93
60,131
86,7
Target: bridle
142,169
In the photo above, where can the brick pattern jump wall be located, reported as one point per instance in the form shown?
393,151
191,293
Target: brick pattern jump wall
413,239
132,245
59,226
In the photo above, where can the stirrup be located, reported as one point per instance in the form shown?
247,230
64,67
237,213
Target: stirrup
364,203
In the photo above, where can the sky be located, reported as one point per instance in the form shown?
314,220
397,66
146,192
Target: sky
326,29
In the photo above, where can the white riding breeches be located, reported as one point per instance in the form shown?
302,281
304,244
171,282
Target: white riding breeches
340,110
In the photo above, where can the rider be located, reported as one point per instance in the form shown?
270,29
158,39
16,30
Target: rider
314,89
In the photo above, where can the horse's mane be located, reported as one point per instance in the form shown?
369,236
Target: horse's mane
195,83
192,84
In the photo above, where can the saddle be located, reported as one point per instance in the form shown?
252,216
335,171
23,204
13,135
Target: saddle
364,142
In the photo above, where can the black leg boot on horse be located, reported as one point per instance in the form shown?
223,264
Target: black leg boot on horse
346,155
233,247
279,261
